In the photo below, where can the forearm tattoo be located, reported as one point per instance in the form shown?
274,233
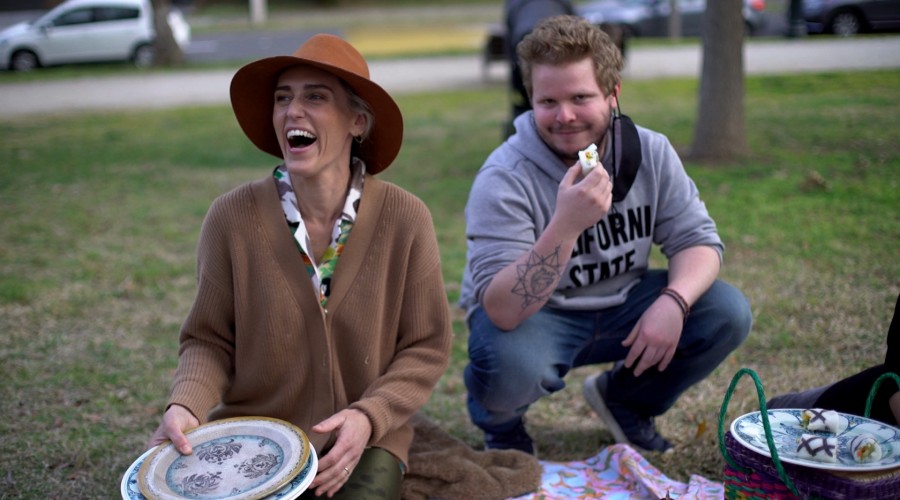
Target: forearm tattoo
537,277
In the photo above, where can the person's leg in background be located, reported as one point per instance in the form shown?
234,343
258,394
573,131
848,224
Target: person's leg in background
849,395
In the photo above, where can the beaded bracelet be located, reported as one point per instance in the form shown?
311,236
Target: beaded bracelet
685,308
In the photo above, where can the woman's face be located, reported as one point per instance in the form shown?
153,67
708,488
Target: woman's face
313,121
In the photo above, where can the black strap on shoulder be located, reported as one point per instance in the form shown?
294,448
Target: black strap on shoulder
626,155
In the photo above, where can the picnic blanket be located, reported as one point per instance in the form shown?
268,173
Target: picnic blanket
618,472
443,467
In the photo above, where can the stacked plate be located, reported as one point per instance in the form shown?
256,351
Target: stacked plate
786,429
244,458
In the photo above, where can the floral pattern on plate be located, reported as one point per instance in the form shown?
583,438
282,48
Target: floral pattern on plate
233,459
131,491
786,430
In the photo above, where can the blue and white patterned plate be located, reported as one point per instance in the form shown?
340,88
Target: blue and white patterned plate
233,459
786,430
131,490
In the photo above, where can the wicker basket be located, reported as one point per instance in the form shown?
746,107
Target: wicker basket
750,475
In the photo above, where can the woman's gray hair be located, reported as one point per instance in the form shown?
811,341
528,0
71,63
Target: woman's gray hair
359,105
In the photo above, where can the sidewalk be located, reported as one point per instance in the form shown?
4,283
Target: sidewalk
198,88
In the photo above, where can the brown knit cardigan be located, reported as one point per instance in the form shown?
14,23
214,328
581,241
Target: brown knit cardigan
257,342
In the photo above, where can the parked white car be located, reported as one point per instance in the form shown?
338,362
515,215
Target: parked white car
79,31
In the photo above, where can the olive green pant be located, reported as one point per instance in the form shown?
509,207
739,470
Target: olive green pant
377,476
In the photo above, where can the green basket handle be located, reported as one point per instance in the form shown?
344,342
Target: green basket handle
766,426
874,390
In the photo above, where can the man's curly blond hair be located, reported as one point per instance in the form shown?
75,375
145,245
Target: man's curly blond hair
566,39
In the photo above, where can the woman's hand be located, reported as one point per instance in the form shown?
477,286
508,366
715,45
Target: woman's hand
353,430
176,421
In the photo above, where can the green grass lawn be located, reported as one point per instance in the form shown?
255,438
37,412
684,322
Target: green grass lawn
101,214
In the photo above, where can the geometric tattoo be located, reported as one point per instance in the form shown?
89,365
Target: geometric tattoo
537,278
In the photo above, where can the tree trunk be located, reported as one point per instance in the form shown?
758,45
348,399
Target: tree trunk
719,132
259,12
796,23
168,52
674,21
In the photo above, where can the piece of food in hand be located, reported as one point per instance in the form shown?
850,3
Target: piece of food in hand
817,447
589,159
865,448
817,419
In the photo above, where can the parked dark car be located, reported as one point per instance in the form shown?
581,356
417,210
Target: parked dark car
650,18
623,19
849,17
495,43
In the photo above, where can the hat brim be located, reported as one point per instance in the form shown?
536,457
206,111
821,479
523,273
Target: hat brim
252,99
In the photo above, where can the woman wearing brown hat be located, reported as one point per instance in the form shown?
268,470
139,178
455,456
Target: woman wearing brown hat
320,298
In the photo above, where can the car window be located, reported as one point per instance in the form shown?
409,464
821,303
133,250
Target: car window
77,16
115,13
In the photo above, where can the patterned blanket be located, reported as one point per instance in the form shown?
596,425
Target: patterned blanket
617,472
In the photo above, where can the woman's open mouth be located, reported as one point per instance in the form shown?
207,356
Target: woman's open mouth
300,138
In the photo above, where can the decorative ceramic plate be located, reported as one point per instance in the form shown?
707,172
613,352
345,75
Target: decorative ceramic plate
786,430
131,490
243,458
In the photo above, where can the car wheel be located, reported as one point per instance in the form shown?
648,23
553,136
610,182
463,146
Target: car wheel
144,56
24,60
845,24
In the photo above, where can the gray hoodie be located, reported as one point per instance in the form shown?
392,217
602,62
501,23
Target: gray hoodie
513,198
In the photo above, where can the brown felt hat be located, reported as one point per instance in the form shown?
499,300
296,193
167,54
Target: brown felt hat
253,90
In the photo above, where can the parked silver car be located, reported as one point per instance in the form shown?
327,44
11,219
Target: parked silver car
649,18
79,31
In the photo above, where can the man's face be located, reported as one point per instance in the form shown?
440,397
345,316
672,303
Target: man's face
570,110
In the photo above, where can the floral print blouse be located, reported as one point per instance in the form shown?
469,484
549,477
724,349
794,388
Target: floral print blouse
320,272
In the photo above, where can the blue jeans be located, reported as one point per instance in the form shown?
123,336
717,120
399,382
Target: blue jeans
510,370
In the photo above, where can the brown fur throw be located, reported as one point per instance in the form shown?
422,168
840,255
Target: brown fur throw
443,467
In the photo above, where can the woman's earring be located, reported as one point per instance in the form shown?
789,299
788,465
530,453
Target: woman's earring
358,139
